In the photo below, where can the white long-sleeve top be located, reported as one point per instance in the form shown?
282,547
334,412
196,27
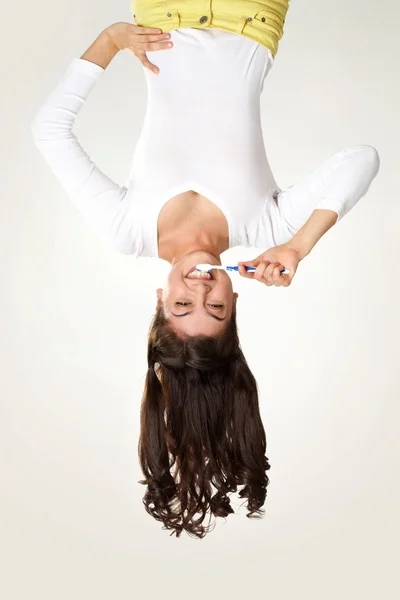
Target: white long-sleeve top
202,132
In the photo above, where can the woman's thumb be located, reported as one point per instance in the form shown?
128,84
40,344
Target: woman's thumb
247,263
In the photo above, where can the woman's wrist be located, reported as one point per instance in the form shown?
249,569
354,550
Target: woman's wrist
317,225
112,33
102,51
300,245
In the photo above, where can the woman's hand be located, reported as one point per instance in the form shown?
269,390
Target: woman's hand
270,264
139,40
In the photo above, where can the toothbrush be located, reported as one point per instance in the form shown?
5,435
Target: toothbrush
207,268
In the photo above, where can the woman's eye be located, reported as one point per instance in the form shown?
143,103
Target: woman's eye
216,306
181,303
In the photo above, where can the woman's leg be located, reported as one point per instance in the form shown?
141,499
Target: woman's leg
338,184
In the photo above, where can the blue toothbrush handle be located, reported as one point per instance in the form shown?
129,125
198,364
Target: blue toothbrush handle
237,268
250,269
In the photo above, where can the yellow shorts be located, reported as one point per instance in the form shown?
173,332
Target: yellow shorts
260,21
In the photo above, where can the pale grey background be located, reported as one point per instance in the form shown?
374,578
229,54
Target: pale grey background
74,318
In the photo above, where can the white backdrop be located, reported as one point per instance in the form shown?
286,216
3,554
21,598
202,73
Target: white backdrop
75,315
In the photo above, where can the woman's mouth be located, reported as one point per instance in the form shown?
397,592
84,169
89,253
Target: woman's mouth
199,275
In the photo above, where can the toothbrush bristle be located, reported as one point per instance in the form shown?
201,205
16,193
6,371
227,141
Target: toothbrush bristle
203,267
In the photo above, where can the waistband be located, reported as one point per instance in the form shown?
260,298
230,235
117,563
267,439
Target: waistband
261,21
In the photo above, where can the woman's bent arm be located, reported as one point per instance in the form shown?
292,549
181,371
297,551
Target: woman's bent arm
269,264
103,203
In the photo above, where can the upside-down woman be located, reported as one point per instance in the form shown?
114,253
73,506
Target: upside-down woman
200,183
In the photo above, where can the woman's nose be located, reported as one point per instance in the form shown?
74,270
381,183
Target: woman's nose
201,287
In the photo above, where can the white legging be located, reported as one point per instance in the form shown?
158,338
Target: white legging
338,184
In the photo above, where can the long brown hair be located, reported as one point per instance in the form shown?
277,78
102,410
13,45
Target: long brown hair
200,417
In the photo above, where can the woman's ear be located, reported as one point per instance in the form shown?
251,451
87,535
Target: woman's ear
158,372
235,297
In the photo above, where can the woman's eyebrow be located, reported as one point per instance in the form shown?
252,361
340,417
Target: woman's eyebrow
211,315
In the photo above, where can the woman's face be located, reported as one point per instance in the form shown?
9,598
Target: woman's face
197,306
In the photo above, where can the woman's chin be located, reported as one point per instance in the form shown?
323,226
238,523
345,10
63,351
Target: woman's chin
203,256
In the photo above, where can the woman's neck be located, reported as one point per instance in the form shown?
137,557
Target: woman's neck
190,222
173,248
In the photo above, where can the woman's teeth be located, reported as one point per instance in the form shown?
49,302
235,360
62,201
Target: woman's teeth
200,274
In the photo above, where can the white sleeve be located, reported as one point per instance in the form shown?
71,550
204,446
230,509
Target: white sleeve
103,203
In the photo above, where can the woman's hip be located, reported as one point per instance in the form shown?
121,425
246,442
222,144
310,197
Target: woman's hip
260,21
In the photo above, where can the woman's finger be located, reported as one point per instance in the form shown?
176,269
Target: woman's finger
273,274
285,280
260,270
139,30
277,277
276,273
249,263
149,39
146,63
268,272
156,46
244,273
